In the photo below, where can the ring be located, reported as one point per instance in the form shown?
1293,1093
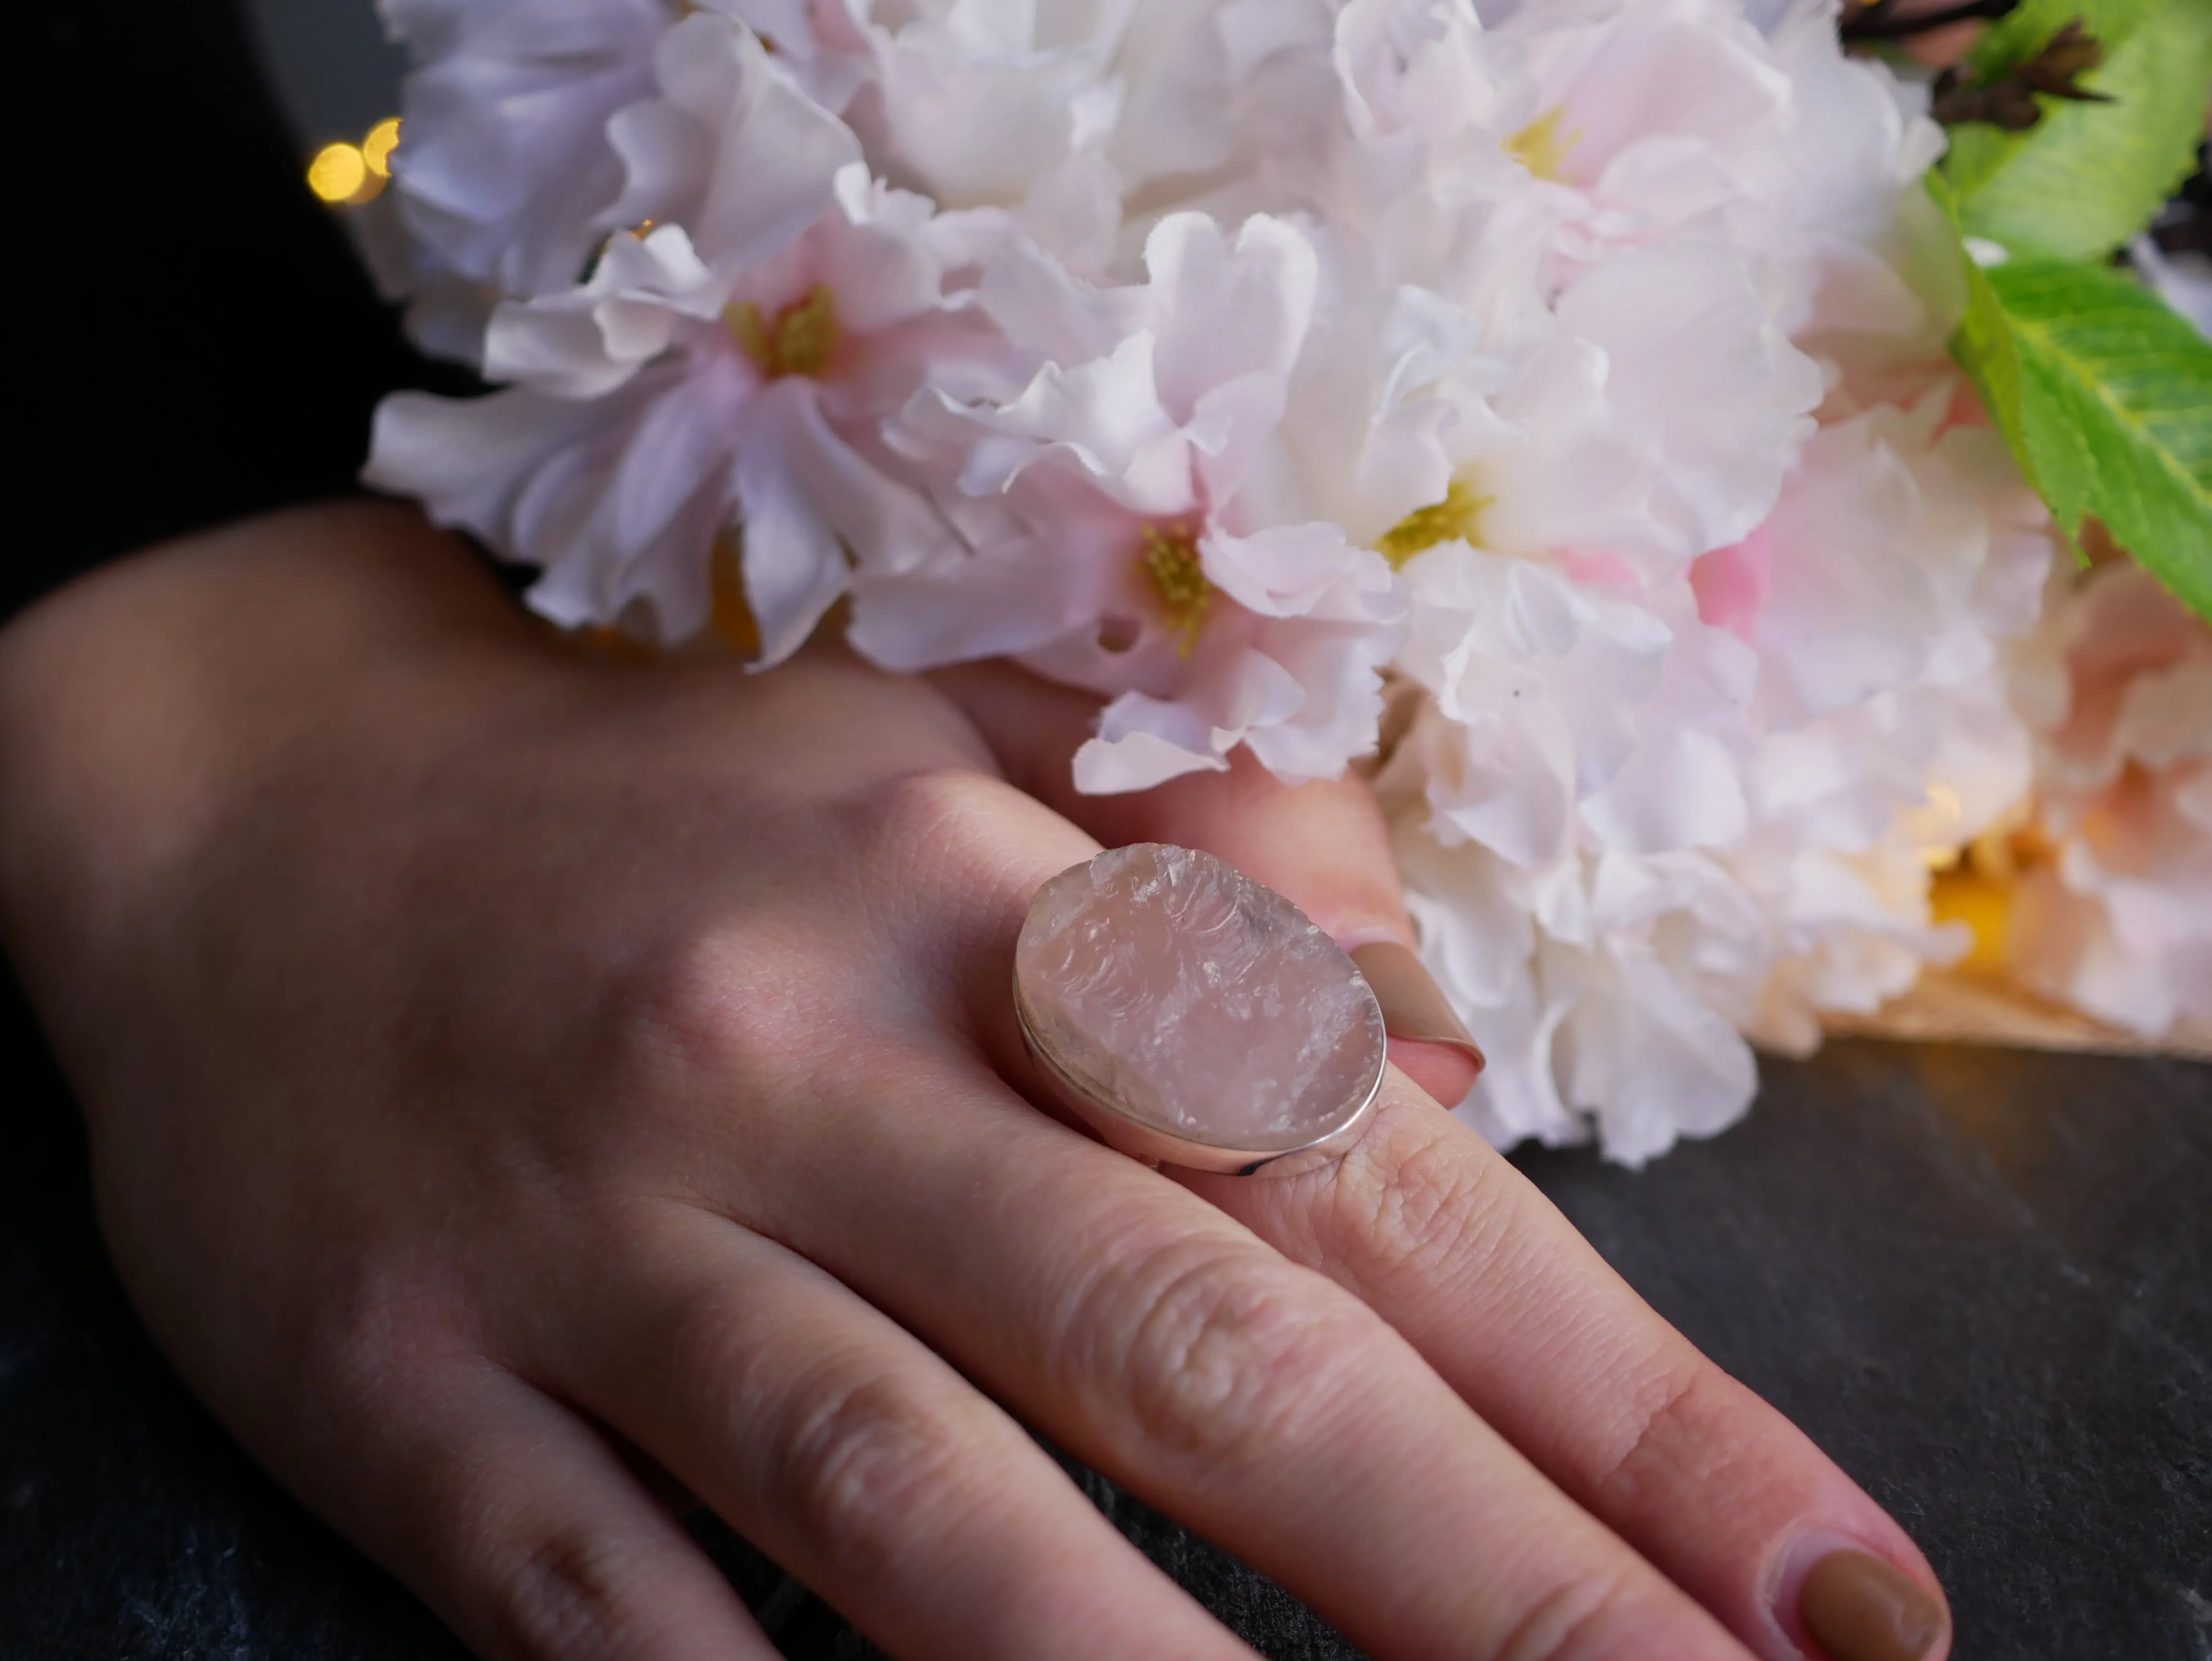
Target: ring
1193,1016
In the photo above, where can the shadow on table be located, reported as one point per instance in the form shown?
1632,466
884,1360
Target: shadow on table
1981,1280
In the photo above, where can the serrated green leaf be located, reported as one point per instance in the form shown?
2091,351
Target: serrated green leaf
2089,176
2104,393
2116,410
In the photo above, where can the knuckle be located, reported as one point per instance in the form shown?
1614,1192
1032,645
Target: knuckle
953,858
1571,1621
701,1005
932,816
1223,1357
849,1453
375,1325
1668,1429
710,1355
1417,1198
861,1463
574,1593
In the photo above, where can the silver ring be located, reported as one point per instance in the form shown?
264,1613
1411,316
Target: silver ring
1193,1016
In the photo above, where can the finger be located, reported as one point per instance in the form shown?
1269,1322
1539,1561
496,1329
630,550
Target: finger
1136,1325
858,1460
1455,1250
1746,1534
1149,1335
1322,845
1552,1348
522,1527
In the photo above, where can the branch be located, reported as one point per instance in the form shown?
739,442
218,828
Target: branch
2010,101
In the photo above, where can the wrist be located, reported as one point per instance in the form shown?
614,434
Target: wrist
151,704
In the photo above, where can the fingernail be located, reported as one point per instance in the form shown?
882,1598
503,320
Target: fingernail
1857,1607
1413,1005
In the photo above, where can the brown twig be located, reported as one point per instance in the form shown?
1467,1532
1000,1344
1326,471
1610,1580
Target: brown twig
2011,99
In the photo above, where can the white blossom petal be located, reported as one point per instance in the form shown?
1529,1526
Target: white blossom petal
507,173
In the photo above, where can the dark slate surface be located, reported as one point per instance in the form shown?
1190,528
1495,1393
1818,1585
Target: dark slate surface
1982,1279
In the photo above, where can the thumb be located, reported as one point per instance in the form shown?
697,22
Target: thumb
1323,846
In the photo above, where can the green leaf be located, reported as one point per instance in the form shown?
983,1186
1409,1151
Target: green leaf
2105,394
2088,176
2116,412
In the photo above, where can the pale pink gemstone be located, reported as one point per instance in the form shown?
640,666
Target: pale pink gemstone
1165,983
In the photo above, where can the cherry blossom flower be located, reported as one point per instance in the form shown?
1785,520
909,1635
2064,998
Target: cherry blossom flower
1544,406
1714,804
2116,917
505,176
713,381
1090,120
1112,537
1640,393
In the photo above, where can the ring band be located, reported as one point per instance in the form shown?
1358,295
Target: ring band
1193,1016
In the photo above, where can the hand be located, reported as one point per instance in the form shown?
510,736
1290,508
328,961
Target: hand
507,1070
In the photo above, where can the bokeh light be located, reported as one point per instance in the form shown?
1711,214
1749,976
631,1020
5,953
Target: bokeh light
346,175
338,173
376,148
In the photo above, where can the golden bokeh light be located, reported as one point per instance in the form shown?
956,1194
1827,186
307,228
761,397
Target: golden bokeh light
346,175
376,148
338,173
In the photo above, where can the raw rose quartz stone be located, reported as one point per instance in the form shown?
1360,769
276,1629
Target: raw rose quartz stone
1165,983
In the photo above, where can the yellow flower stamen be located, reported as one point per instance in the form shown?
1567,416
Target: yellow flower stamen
1178,574
1458,518
800,340
1540,146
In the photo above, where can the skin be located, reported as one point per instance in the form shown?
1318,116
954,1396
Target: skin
514,1079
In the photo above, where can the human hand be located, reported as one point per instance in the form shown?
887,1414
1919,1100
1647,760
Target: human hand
495,1058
